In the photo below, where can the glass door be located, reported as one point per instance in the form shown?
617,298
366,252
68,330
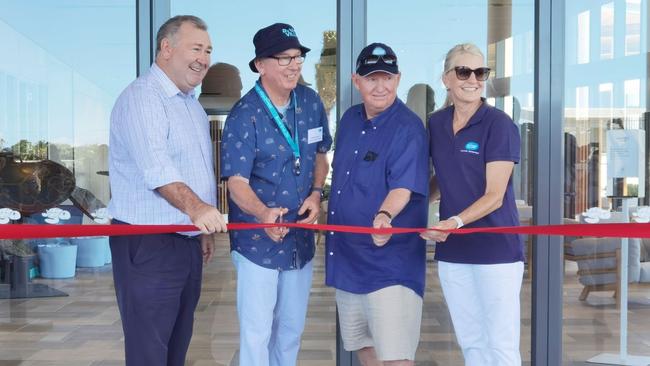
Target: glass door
606,115
421,33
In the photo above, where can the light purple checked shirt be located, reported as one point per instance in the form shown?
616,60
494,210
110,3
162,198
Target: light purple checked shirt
158,135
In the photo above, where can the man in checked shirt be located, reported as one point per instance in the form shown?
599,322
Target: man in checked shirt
161,172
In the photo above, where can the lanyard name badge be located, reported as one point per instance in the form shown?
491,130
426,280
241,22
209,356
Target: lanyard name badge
293,143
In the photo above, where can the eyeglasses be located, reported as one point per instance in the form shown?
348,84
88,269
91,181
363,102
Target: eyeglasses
286,60
373,59
464,72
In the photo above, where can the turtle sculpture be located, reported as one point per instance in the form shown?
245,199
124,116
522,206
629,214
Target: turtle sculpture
33,186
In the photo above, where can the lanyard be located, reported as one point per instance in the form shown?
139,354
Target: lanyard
293,143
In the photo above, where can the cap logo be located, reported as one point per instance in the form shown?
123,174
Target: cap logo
379,51
289,32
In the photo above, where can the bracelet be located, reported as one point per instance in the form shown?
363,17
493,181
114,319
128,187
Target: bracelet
390,217
319,190
459,221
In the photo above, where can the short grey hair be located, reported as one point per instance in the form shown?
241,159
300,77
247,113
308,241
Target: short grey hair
452,56
170,28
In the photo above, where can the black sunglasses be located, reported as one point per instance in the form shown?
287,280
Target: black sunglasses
373,59
464,72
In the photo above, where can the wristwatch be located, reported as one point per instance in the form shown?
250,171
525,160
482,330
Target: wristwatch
459,221
390,217
317,189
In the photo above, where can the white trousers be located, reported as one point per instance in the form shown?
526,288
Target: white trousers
483,300
272,307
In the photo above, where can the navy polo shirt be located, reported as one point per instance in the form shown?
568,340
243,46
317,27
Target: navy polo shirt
254,148
460,166
371,158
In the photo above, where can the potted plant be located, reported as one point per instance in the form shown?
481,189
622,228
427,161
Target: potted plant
18,259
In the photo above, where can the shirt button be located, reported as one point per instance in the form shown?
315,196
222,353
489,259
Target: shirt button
331,253
348,172
338,192
363,132
374,128
331,233
332,212
355,151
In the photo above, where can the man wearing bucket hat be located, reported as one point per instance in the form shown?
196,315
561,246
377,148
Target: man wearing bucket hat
380,179
273,157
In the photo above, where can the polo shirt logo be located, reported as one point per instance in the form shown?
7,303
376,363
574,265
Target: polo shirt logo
471,147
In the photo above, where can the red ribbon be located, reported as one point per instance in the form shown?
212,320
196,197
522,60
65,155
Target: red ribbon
15,231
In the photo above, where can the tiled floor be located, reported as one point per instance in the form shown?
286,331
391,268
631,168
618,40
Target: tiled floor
84,328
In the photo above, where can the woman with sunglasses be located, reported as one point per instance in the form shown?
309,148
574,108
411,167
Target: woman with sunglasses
474,147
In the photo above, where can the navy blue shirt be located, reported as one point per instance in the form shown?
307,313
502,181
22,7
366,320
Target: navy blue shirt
460,166
373,157
254,148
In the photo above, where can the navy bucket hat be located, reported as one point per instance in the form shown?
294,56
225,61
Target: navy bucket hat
274,39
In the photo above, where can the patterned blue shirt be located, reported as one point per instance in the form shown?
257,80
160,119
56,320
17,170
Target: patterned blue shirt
373,157
254,148
158,135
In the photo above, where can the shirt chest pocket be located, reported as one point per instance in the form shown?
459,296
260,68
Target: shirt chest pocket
470,162
181,139
270,159
368,173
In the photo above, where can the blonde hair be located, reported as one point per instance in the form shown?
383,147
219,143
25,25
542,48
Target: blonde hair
452,56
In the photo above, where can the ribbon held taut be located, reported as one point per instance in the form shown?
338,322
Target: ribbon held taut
24,231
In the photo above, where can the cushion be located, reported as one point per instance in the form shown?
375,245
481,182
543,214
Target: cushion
645,250
590,246
645,272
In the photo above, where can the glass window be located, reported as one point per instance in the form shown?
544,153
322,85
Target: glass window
632,93
607,31
632,27
605,104
582,102
505,34
583,37
65,63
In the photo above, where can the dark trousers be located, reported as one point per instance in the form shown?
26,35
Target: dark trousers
158,284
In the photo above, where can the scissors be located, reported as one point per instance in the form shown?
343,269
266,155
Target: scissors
281,229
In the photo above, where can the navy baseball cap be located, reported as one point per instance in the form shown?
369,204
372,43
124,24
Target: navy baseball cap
274,39
377,57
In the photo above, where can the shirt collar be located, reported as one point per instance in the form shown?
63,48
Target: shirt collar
291,95
476,118
169,88
382,117
480,112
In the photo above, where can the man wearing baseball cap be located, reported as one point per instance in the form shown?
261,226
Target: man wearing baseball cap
380,179
273,157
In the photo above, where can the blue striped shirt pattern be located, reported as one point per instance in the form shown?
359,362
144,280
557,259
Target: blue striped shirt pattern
158,135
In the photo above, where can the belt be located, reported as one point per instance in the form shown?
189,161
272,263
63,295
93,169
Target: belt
183,236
